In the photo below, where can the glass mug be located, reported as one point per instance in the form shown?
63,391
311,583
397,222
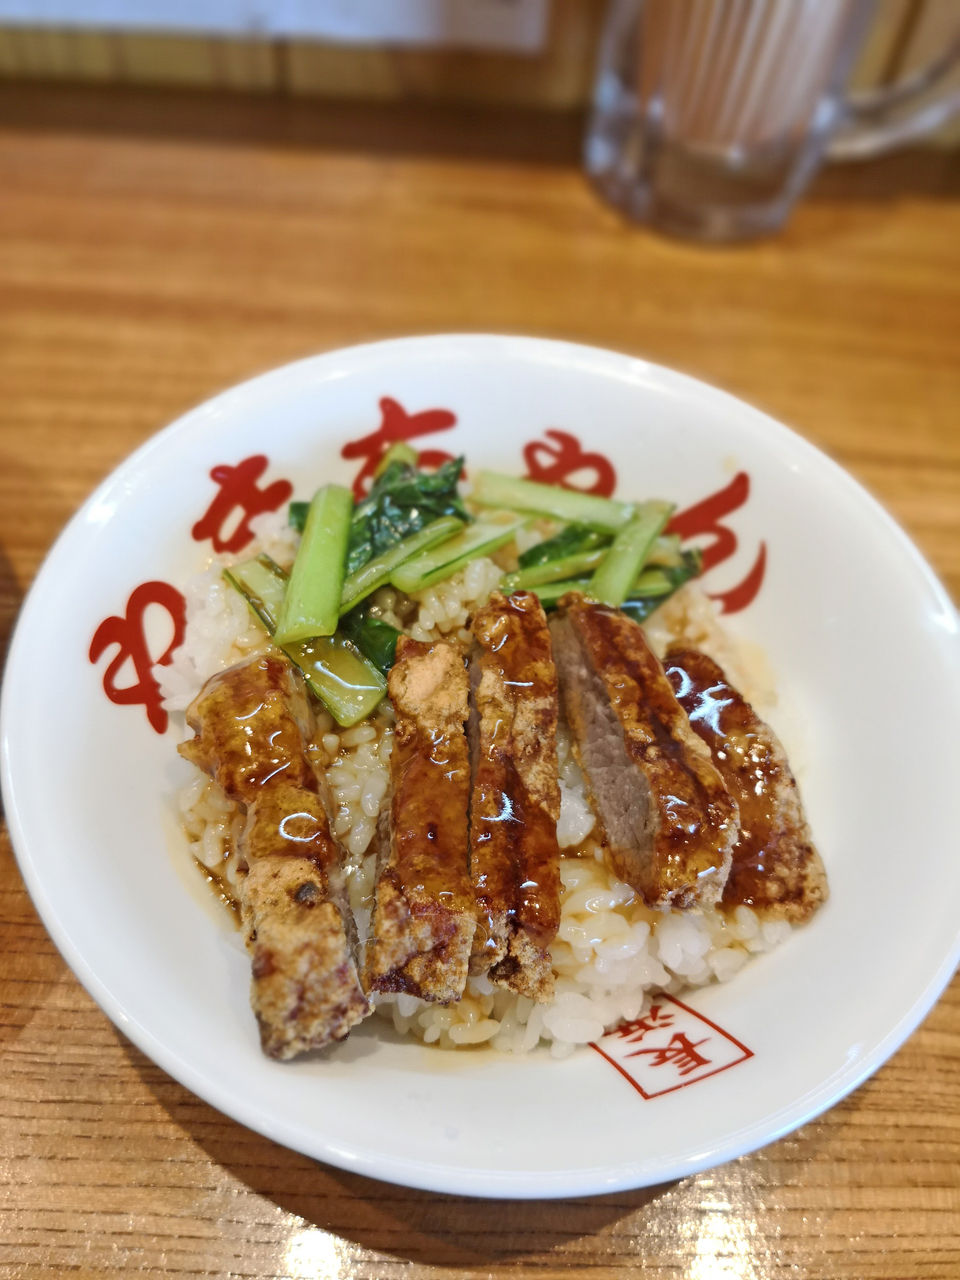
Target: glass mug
711,116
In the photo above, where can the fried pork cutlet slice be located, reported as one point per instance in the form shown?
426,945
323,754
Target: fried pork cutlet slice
669,820
514,856
776,870
252,722
423,918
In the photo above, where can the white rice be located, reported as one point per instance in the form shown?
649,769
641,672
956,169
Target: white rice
611,952
220,628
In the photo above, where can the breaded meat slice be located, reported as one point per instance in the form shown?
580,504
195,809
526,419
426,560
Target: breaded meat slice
252,723
423,917
669,820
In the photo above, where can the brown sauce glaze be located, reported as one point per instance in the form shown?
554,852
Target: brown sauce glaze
222,891
431,776
696,818
775,868
430,773
252,724
255,722
515,859
424,916
515,803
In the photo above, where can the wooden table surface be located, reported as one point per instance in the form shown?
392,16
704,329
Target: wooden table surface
156,249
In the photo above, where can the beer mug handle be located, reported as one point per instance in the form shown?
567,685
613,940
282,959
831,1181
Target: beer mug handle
876,120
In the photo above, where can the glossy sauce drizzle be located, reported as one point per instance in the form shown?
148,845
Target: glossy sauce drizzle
753,770
430,770
695,814
514,852
515,857
251,725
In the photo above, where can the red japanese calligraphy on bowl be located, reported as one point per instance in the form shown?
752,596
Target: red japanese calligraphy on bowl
558,457
810,574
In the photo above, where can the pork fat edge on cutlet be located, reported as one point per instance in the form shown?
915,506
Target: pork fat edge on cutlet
423,918
252,723
515,803
776,870
669,820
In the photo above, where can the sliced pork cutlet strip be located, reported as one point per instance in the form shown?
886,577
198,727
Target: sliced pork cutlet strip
515,803
252,723
669,820
776,870
423,917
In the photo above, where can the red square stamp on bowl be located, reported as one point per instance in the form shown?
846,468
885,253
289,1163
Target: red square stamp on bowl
818,583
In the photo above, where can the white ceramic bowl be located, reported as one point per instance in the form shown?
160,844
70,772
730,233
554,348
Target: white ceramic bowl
860,635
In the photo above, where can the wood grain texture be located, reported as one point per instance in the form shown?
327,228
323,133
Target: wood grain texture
902,34
156,249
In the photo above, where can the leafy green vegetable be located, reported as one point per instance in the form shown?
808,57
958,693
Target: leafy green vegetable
573,566
375,639
653,583
400,451
377,571
262,584
614,576
492,489
443,561
297,515
346,682
666,550
654,586
550,592
401,501
648,592
571,540
311,603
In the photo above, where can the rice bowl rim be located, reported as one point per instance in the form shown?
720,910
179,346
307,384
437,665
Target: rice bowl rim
17,708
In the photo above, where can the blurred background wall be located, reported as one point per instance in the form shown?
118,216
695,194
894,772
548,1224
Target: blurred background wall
532,53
